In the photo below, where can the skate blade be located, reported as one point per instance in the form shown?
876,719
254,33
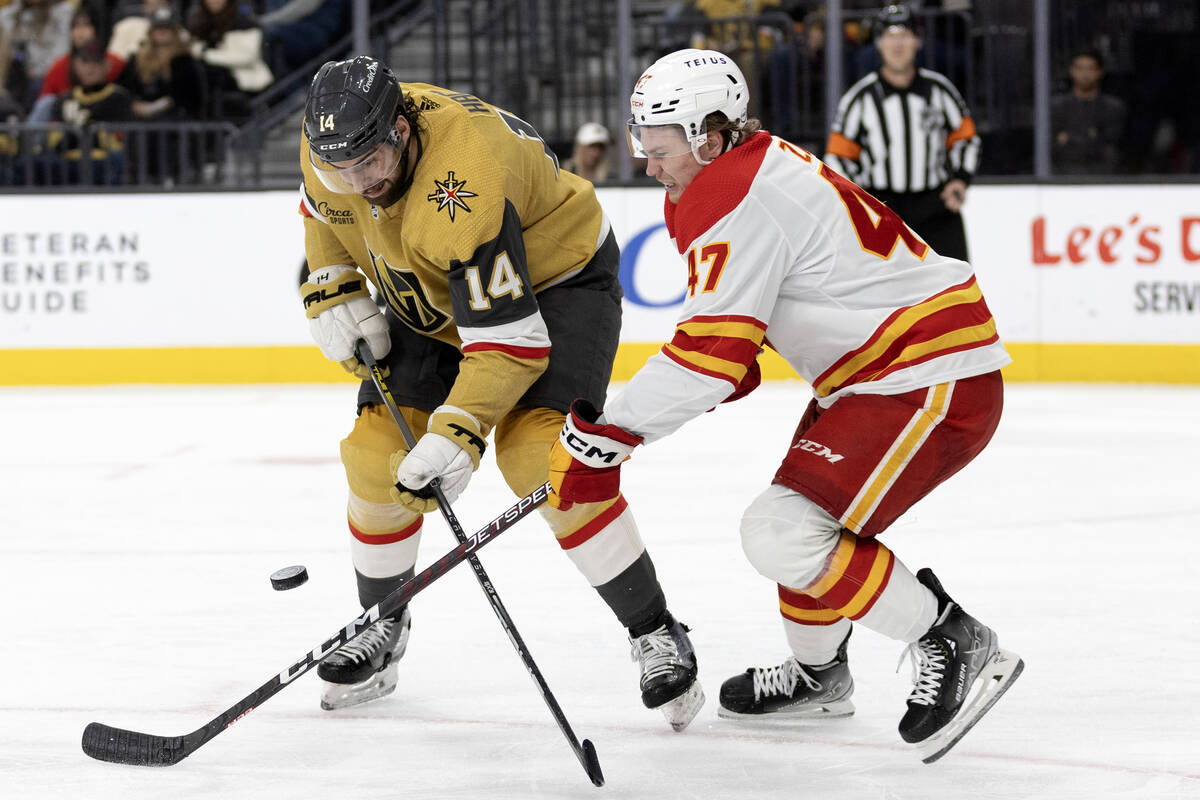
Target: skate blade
998,674
683,709
834,710
344,695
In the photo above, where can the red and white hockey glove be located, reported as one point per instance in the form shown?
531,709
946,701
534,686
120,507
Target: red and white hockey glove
585,462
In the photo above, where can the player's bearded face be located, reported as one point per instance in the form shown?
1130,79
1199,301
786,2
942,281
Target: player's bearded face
669,158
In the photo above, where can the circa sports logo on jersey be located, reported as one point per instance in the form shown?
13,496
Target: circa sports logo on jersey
335,216
450,194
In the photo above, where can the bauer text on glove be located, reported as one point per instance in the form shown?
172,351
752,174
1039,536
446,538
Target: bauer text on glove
340,312
585,462
450,450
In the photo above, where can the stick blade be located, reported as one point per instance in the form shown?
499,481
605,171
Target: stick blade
591,763
119,746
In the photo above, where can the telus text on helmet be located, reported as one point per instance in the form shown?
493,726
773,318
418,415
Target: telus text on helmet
699,62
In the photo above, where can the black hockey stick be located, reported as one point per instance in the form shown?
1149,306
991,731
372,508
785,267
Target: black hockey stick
585,752
121,746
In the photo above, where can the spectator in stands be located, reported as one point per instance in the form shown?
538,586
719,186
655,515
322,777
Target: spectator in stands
735,31
10,109
589,159
796,80
297,31
129,31
167,85
85,26
38,32
1087,124
93,100
230,45
165,80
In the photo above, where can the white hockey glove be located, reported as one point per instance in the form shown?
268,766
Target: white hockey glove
450,450
340,312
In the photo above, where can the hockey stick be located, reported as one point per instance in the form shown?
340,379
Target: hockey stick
121,746
586,753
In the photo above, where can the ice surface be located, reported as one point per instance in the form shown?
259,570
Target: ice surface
140,526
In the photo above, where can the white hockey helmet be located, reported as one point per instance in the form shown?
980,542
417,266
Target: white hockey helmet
682,88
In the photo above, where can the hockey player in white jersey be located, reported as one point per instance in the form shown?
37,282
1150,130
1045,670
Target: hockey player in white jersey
903,358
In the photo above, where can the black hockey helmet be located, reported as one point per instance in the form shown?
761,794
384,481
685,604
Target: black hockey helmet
896,15
351,108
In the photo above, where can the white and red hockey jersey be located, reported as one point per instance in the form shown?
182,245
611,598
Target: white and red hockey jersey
782,251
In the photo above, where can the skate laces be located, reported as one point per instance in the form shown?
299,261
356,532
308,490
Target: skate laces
657,652
372,639
782,679
929,666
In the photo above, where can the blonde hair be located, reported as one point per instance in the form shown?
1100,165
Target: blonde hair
733,131
155,62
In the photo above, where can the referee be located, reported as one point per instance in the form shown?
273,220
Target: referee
905,135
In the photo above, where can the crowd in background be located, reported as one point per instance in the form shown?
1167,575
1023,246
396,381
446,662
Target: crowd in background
1117,66
84,63
1115,109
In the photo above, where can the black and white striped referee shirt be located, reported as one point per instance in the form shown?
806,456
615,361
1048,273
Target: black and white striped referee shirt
903,140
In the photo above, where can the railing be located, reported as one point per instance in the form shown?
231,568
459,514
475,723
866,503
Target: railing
130,155
285,96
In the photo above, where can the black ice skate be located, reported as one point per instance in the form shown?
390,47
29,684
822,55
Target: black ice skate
668,666
960,673
365,668
791,690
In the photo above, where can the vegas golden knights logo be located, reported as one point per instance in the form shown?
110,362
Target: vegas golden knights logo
406,297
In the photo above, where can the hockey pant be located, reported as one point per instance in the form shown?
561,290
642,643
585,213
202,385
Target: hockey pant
850,471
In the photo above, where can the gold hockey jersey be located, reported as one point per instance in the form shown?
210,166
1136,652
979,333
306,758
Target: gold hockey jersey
488,221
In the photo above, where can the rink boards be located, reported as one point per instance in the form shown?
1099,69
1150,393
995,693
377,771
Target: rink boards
1087,283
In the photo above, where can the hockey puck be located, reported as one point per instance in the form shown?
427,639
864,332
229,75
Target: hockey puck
289,578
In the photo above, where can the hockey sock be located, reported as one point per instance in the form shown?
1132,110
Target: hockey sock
372,590
863,580
635,596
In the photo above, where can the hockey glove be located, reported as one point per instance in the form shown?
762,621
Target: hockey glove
340,312
450,450
585,462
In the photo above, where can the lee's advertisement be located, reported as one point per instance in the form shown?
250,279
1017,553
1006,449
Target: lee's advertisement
1089,264
1098,283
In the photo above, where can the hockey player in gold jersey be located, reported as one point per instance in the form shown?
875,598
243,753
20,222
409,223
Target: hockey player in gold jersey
502,304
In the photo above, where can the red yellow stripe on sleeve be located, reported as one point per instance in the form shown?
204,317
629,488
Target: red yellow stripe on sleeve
965,130
854,576
842,147
951,321
719,346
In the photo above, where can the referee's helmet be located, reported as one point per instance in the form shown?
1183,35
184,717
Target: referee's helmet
897,15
